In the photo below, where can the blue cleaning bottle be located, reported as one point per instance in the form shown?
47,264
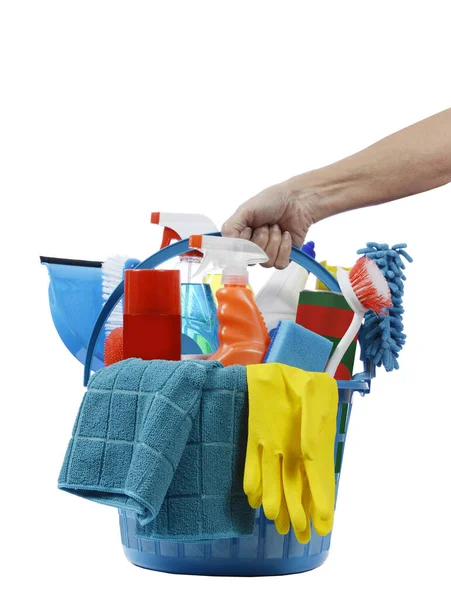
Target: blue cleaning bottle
199,319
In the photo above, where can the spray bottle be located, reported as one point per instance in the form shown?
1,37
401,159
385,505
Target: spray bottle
243,336
199,320
279,297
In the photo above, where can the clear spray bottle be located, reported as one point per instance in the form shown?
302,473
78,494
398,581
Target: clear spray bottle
199,320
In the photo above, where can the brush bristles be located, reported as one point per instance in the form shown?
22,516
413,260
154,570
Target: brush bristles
112,275
370,285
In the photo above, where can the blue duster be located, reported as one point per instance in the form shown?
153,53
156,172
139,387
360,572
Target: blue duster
382,336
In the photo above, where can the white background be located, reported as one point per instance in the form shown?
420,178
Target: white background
110,110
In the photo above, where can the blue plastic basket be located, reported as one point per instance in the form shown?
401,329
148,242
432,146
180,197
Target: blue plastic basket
265,552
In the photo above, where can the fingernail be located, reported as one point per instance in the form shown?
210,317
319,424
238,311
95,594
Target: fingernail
286,235
246,233
275,228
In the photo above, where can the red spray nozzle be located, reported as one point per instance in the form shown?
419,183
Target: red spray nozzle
169,235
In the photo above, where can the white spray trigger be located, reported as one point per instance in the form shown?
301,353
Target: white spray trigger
204,264
232,255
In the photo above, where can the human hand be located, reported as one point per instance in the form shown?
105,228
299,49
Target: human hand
275,219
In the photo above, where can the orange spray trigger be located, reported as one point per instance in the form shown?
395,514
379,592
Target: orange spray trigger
195,241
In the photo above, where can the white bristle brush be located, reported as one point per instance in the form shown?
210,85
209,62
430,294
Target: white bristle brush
112,275
364,288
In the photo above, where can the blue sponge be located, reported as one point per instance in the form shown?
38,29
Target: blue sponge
296,346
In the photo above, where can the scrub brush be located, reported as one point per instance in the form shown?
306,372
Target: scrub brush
364,288
112,274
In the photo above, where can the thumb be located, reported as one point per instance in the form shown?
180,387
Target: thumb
238,225
298,238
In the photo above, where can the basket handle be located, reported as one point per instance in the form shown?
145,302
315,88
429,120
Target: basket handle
297,256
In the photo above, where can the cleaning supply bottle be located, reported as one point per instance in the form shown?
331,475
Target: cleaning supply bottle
152,321
278,298
243,336
199,320
214,281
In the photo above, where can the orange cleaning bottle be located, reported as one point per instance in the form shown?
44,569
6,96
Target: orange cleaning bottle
243,336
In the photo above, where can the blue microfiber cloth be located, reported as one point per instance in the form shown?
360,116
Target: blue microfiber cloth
382,336
296,346
206,500
131,432
142,442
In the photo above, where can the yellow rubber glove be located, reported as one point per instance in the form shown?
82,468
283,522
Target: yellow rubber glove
282,522
275,474
318,429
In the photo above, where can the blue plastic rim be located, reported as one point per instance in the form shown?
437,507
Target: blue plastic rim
265,552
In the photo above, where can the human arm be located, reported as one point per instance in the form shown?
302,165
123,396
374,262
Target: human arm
413,160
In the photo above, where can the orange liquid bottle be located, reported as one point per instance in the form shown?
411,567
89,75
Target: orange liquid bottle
243,336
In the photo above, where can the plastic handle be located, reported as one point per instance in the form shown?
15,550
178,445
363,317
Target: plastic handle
344,343
154,261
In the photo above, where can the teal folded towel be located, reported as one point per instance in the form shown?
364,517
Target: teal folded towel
165,440
206,500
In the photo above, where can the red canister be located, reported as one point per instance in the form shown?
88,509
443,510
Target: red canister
152,314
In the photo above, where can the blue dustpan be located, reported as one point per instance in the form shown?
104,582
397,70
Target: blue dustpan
75,296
